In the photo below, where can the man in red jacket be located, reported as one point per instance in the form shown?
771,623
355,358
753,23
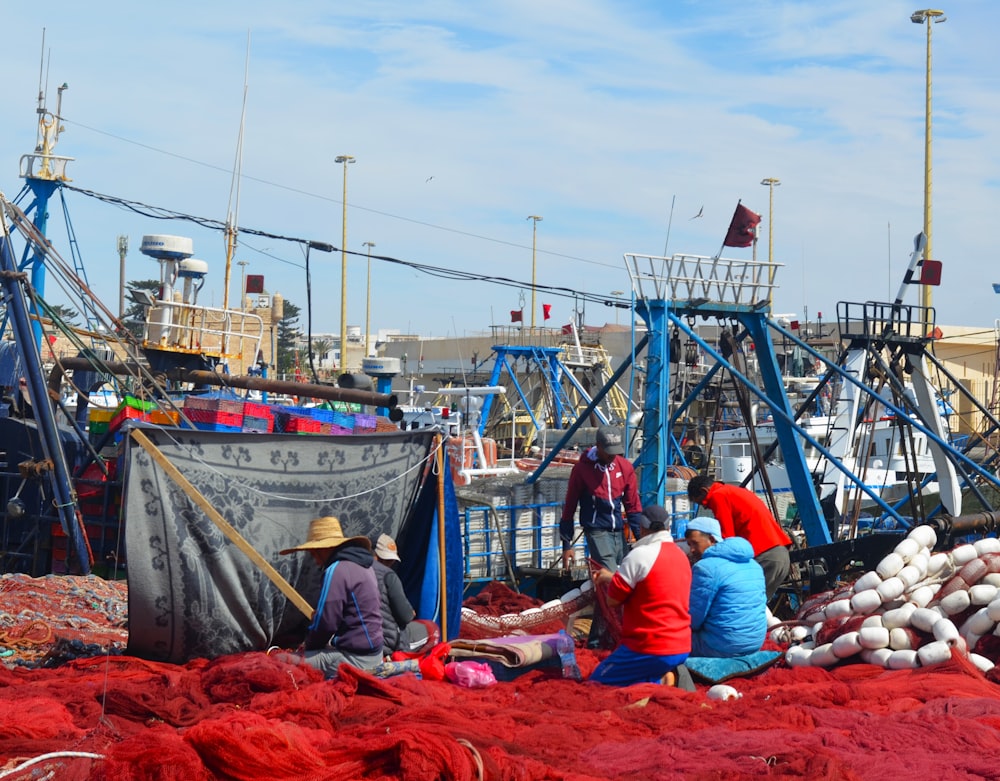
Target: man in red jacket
741,513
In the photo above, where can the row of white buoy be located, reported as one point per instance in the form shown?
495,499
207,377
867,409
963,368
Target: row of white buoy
907,605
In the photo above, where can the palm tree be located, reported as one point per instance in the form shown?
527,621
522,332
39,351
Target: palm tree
321,349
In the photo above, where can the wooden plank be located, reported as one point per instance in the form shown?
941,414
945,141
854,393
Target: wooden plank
224,526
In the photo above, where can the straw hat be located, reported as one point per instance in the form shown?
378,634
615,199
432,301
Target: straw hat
325,534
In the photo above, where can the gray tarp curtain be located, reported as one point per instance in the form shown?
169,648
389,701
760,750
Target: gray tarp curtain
192,592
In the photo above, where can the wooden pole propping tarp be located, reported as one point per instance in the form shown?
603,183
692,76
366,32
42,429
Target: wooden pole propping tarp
224,526
442,560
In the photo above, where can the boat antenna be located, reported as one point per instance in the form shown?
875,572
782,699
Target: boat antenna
233,211
41,76
670,221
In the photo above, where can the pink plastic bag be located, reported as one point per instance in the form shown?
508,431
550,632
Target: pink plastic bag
472,675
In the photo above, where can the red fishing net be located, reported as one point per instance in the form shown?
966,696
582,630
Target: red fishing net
251,716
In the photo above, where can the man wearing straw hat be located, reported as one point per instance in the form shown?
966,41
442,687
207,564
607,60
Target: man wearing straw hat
347,625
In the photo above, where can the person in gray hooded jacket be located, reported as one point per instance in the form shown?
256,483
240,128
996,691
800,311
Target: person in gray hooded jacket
728,600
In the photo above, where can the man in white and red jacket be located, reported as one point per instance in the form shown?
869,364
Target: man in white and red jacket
653,584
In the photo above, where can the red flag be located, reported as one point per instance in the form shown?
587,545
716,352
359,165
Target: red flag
255,283
930,272
568,328
516,315
546,311
743,227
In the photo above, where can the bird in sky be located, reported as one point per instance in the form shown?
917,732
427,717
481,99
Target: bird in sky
428,179
702,209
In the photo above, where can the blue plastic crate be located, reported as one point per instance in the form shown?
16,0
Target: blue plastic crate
214,426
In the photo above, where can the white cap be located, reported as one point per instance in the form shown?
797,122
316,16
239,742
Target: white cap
385,548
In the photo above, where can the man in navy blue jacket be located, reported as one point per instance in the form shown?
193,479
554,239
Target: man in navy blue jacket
728,601
347,624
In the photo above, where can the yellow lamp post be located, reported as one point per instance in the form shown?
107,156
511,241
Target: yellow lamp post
368,304
534,236
770,182
927,16
345,160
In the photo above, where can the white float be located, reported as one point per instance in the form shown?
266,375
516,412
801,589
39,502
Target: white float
902,660
934,653
890,565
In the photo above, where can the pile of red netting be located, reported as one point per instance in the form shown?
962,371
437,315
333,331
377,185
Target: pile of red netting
252,716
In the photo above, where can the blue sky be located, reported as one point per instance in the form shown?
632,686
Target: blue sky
465,118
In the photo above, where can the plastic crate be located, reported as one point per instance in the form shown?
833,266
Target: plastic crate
365,422
339,431
136,403
320,414
344,420
385,426
214,416
261,425
126,413
100,415
232,406
164,417
252,409
214,427
297,425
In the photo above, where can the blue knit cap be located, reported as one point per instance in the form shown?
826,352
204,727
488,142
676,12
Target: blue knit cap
706,524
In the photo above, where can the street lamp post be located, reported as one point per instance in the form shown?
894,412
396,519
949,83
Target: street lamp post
243,284
122,252
927,16
345,160
368,304
617,293
770,182
322,247
534,236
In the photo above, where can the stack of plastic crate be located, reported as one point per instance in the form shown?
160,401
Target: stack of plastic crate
257,417
214,414
131,408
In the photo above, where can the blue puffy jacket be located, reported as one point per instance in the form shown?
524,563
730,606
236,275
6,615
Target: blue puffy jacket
728,601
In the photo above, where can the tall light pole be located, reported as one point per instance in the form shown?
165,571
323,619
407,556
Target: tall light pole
534,237
345,160
122,252
770,182
368,305
243,284
927,16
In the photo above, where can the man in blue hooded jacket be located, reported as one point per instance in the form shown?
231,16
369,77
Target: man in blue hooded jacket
728,601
